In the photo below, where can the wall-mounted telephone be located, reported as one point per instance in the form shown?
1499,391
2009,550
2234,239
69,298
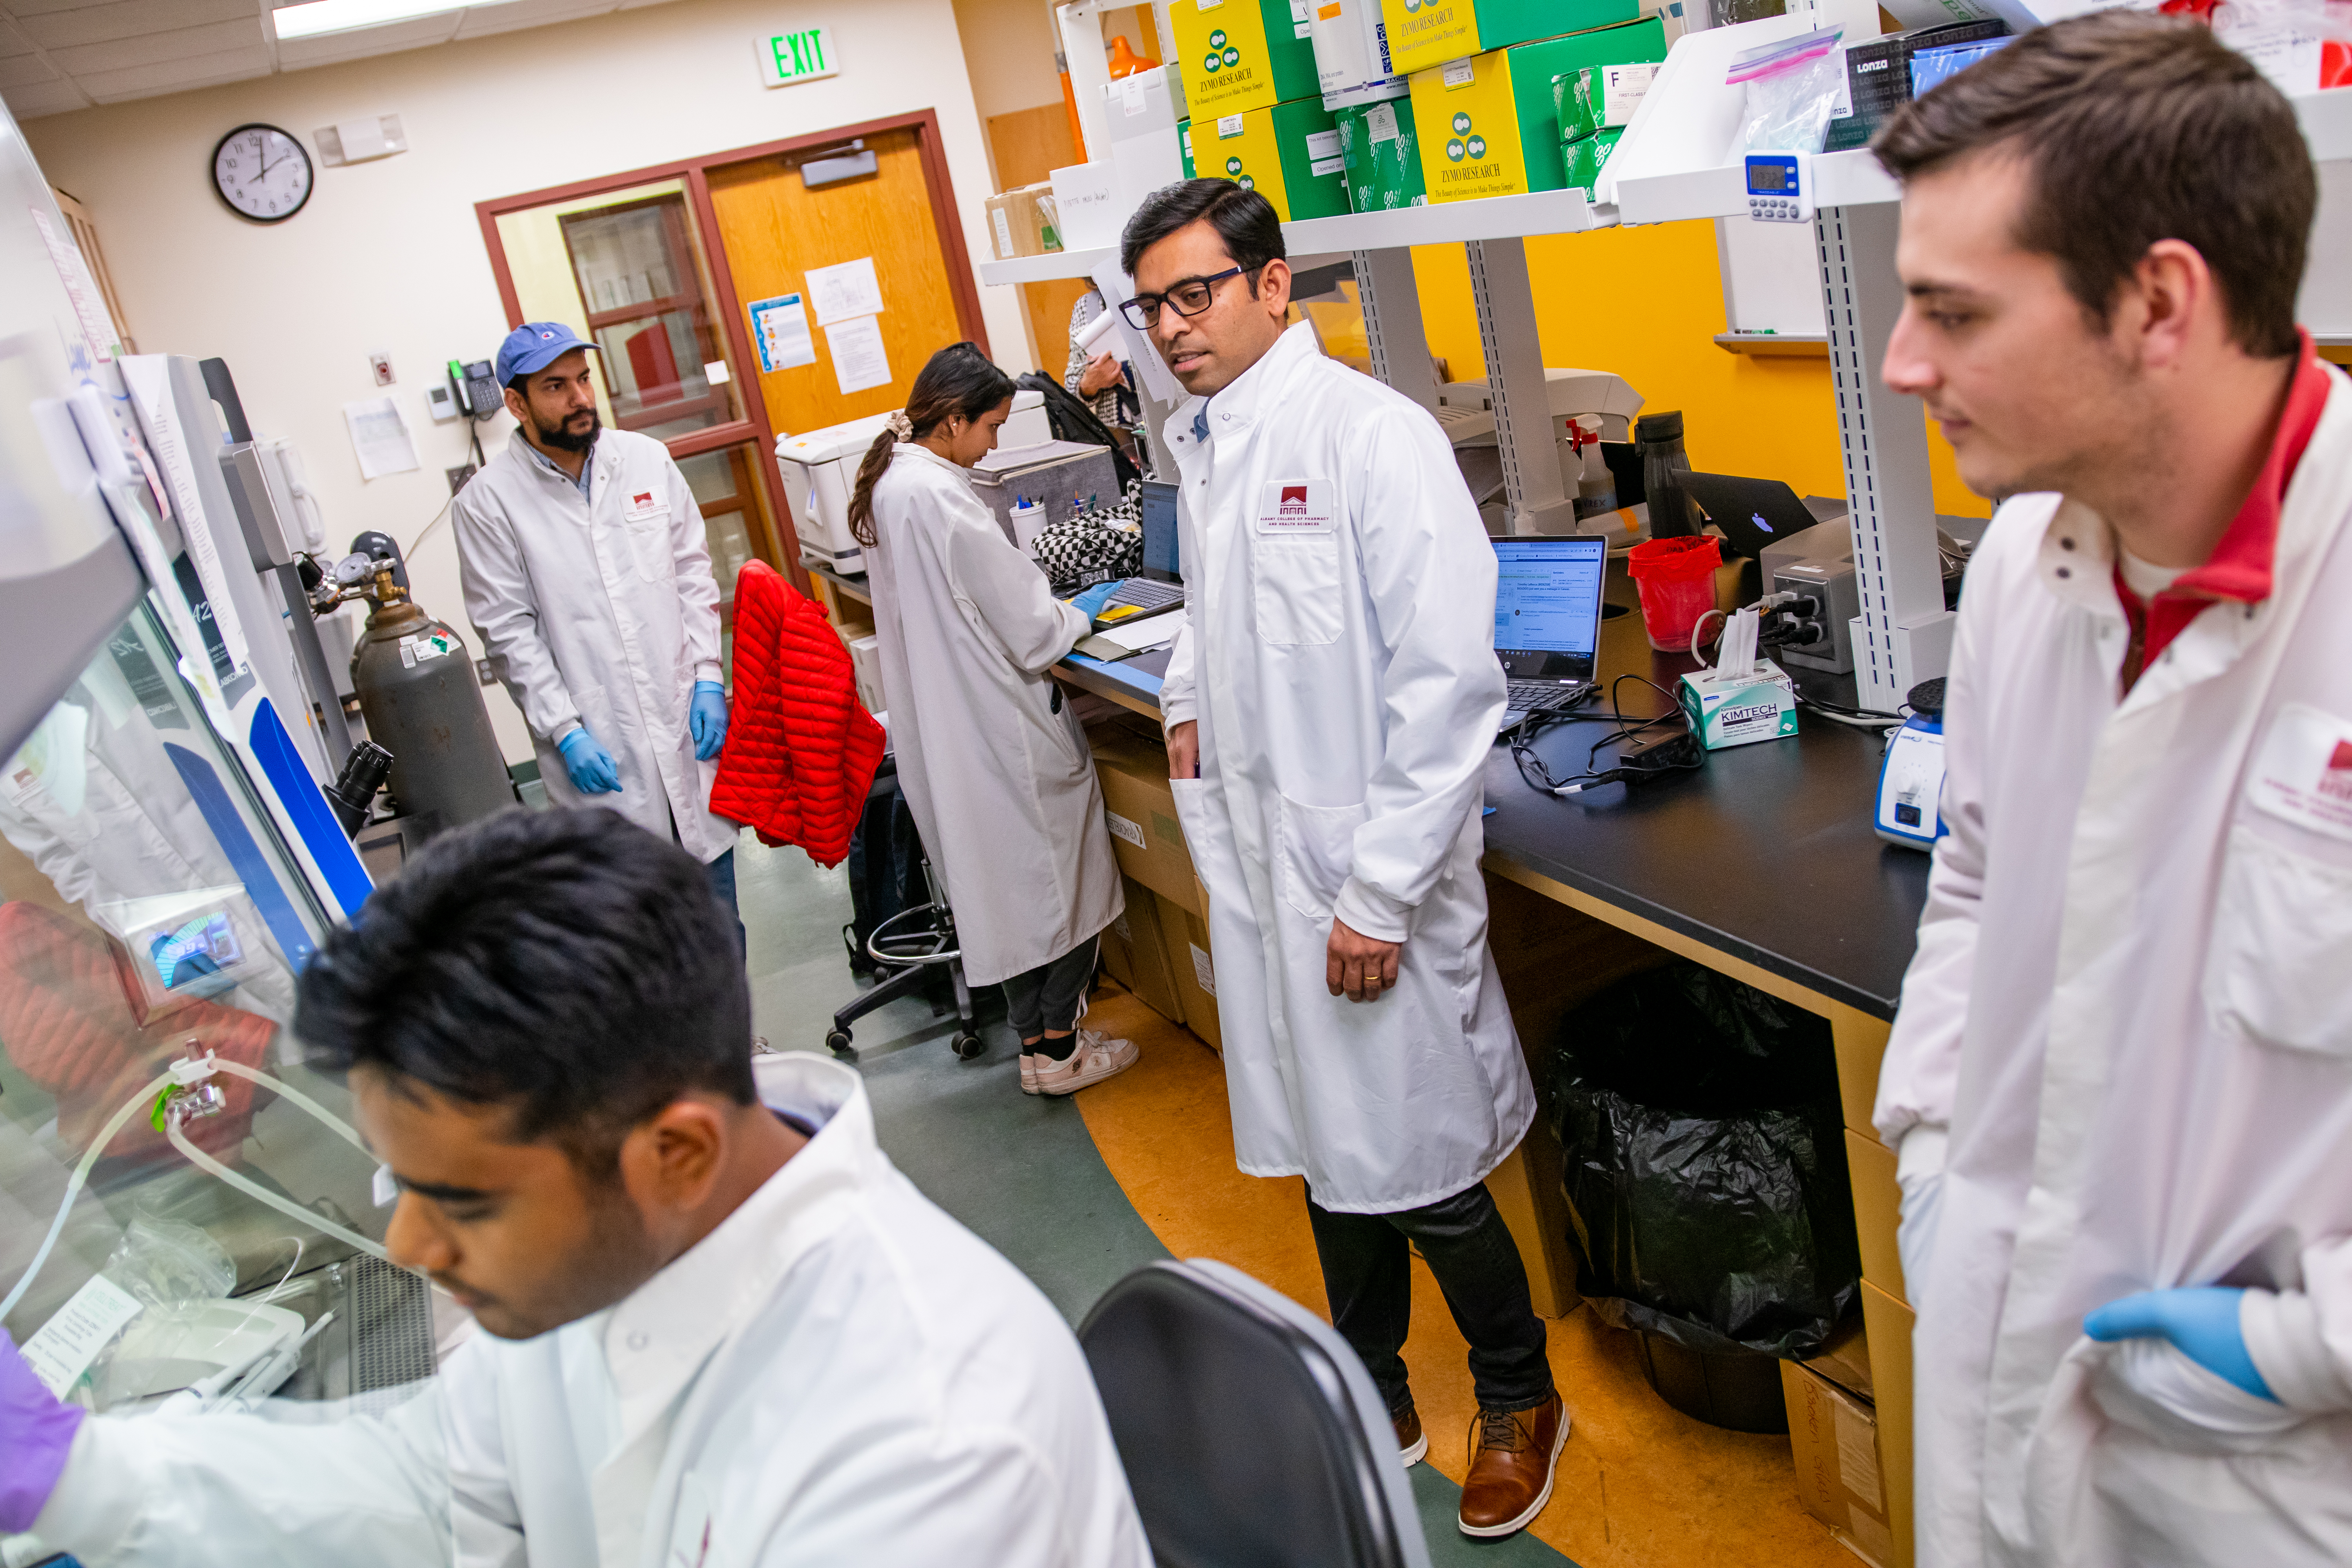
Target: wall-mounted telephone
477,390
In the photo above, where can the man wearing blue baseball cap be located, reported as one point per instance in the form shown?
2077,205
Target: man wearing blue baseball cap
588,579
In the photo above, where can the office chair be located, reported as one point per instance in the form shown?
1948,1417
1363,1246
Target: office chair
912,943
1252,1435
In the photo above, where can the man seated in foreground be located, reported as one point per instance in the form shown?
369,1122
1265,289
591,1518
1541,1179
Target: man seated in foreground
723,1328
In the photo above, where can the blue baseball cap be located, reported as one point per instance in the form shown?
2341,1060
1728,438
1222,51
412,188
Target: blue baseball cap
535,346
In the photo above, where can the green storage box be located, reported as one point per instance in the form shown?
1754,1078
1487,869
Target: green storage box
1600,97
1585,155
1488,125
1384,165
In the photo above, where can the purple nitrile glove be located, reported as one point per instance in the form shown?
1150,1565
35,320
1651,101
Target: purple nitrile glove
36,1429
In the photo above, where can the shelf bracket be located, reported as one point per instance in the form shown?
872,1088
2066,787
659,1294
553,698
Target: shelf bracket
1536,500
1393,330
1905,633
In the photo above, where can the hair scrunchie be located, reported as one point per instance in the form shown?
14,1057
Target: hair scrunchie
901,427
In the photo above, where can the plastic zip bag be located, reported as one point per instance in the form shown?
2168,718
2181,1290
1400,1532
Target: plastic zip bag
1793,88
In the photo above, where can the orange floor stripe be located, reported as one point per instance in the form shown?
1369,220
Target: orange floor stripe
1640,1485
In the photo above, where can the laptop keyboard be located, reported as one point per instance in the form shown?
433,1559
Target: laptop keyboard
1145,593
1542,696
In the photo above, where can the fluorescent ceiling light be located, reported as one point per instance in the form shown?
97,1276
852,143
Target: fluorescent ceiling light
316,16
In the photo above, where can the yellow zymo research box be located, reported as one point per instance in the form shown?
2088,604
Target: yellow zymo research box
1487,125
1290,155
1243,53
1426,33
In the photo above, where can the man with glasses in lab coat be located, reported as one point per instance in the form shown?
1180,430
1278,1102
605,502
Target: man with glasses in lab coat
1329,705
587,578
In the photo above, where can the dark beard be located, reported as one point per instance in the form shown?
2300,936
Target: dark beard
561,439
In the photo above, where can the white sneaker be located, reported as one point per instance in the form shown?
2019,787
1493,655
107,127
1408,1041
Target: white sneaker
1096,1057
1029,1065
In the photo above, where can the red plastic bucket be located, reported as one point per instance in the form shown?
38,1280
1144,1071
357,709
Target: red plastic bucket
1676,578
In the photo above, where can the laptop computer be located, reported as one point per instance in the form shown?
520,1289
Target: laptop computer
1160,587
1548,619
1754,514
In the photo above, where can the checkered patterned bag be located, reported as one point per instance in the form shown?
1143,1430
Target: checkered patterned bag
1092,547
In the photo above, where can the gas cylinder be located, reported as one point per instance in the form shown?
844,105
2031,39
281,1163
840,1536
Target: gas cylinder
417,691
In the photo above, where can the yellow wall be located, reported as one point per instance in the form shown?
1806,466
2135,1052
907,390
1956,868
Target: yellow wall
1646,303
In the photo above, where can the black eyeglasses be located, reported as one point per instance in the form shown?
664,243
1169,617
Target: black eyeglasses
1188,298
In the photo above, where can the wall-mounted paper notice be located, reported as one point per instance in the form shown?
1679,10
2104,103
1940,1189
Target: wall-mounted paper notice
779,329
380,437
859,361
845,290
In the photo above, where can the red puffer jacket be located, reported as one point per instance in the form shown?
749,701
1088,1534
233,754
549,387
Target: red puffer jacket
801,752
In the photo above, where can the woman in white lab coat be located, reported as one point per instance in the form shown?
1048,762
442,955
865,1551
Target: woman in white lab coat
993,763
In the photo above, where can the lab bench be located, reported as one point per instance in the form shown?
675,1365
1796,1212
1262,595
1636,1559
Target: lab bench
1761,865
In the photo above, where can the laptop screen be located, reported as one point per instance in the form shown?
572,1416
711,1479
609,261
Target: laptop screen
1159,531
1547,605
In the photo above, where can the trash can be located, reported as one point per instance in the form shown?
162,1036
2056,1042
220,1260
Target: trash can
1677,579
1704,1174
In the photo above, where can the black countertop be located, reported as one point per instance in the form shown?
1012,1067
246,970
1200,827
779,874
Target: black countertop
1765,854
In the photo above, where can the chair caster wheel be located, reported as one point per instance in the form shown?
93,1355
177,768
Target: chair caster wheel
837,1042
969,1046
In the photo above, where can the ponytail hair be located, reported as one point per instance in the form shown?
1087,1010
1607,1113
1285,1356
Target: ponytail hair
957,383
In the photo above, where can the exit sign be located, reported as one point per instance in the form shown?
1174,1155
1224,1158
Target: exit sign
786,58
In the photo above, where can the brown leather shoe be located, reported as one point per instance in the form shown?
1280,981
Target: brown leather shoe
1411,1441
1513,1454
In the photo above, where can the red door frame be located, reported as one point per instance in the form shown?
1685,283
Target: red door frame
924,123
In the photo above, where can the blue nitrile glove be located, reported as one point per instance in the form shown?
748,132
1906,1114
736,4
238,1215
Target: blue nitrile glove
592,767
36,1429
1091,601
707,718
2201,1321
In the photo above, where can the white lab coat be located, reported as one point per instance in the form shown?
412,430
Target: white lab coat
600,613
839,1374
2131,1006
993,762
1338,657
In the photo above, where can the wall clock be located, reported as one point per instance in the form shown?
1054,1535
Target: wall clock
262,174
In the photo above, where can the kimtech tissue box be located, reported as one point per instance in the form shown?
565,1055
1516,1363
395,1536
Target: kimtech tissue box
1736,708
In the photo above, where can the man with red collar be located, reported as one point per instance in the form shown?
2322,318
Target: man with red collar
2121,1081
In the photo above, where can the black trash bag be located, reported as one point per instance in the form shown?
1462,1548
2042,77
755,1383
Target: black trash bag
1705,1165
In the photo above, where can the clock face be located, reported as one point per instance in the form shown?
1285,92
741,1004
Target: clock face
262,173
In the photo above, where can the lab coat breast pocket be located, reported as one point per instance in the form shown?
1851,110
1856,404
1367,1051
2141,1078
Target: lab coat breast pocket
2282,948
1297,588
649,541
1316,853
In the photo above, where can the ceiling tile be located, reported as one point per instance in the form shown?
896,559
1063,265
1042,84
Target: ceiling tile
47,7
37,99
24,70
174,75
293,53
518,14
132,18
159,49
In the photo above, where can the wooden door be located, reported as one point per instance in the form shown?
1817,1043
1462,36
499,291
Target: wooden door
773,228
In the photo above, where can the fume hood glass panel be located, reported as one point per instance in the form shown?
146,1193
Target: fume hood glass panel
148,909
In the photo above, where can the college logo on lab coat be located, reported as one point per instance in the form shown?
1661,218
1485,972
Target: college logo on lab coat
1295,506
2336,779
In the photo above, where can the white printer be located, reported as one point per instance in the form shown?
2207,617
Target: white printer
820,469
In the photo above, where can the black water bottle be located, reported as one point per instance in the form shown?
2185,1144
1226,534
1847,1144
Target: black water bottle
1659,437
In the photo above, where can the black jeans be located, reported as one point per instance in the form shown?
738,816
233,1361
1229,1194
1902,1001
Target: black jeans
1368,1274
1053,995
